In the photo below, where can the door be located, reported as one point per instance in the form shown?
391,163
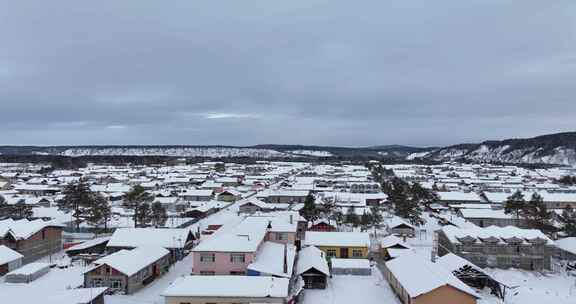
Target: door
344,253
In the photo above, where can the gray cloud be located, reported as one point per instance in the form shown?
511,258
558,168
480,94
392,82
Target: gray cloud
311,72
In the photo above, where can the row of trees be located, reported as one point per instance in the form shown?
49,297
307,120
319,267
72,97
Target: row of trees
407,199
93,208
534,211
312,211
85,205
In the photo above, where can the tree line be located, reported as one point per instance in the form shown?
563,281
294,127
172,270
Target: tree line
93,208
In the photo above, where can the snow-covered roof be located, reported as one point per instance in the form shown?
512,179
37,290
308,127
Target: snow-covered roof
567,244
350,263
245,237
270,259
89,243
130,262
501,234
392,240
228,286
458,196
419,276
30,269
453,262
311,257
485,213
338,239
197,192
23,229
8,255
397,221
160,237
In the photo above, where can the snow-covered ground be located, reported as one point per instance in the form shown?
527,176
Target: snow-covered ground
312,153
176,151
347,289
534,287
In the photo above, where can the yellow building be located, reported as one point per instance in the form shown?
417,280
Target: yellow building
340,244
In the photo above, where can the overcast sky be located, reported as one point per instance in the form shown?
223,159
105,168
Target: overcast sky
324,72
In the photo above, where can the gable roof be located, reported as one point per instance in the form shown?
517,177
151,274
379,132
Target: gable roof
8,255
228,286
270,259
338,239
419,276
159,237
311,257
130,262
23,229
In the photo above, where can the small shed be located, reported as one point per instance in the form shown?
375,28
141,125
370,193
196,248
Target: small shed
313,268
94,246
9,260
28,273
351,267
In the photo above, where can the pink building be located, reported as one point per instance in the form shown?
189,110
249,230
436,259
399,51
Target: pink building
231,251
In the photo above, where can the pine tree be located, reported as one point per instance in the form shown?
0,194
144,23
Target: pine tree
143,215
365,219
568,222
136,199
536,213
99,212
352,217
77,199
376,216
514,204
310,210
4,208
159,215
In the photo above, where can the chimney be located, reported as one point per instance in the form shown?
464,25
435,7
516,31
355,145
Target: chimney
285,258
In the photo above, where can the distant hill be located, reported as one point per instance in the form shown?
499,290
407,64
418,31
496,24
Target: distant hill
547,149
557,148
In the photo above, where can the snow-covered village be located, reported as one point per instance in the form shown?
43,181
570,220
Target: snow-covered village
288,152
287,232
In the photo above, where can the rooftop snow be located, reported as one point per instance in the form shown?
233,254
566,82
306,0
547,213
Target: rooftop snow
228,286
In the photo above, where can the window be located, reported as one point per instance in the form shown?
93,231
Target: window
282,236
237,258
207,273
331,253
357,253
238,273
97,282
207,257
116,284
